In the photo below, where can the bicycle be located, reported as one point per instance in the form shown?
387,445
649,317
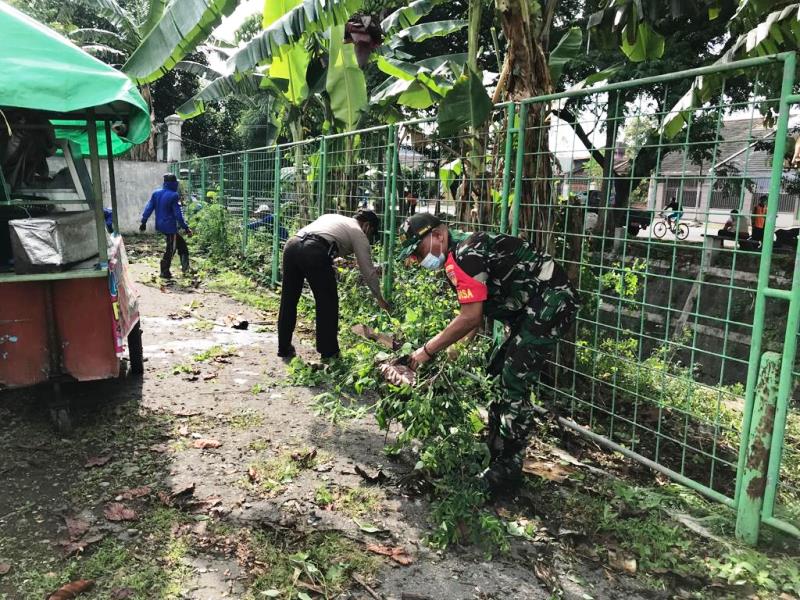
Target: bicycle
679,230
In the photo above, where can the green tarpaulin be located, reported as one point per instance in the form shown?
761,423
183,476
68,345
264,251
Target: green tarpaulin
43,70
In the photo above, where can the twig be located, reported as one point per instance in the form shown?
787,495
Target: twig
369,590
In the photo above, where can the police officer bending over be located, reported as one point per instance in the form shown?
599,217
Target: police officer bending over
500,277
309,256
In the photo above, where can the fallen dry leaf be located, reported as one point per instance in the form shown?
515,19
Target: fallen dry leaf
544,573
203,505
75,547
179,496
183,430
76,527
397,553
159,448
204,443
116,511
71,590
210,376
375,476
252,474
384,339
546,470
97,461
622,562
305,458
136,492
185,412
4,568
121,593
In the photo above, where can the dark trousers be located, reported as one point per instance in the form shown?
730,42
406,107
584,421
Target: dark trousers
309,260
758,234
174,243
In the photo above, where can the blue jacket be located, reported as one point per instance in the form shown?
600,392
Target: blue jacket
164,202
266,223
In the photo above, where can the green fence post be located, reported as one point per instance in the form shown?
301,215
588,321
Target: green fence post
222,182
245,206
519,167
385,214
323,174
765,265
391,208
276,217
510,130
754,478
202,180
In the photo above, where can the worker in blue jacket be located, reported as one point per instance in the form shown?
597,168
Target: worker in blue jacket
165,201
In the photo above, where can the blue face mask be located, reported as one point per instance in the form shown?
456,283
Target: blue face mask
433,261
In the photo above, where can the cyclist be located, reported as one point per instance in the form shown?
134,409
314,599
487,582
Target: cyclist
676,214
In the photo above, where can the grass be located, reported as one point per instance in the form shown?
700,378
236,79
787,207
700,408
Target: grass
201,325
636,522
272,475
244,420
213,352
243,290
325,561
353,502
150,565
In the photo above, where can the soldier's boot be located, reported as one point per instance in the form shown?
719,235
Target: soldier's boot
504,472
165,270
185,266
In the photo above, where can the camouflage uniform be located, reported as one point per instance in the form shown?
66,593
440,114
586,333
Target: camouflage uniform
531,294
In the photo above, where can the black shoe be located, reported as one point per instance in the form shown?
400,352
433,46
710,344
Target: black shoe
166,275
289,353
328,358
503,475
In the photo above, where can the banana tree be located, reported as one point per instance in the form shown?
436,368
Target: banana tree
151,44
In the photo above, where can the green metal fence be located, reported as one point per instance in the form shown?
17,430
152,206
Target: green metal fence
684,353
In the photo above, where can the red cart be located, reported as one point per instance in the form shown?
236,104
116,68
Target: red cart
63,319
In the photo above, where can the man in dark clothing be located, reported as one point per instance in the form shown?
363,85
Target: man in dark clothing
500,277
309,256
677,212
165,201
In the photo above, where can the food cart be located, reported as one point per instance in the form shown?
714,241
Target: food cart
67,306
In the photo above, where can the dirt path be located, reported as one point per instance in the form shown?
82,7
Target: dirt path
279,492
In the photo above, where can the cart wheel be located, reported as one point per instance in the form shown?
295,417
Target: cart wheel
61,420
135,351
59,411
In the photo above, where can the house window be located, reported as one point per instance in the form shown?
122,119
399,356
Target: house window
686,190
787,202
726,195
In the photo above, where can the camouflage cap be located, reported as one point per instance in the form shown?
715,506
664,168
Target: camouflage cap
413,230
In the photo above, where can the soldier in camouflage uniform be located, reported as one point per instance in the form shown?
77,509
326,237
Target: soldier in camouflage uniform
500,277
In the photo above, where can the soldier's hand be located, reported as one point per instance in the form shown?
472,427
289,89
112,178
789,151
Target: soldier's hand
418,357
142,227
189,233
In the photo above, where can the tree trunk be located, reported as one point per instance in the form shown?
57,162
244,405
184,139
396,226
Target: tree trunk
300,188
146,151
529,75
472,192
